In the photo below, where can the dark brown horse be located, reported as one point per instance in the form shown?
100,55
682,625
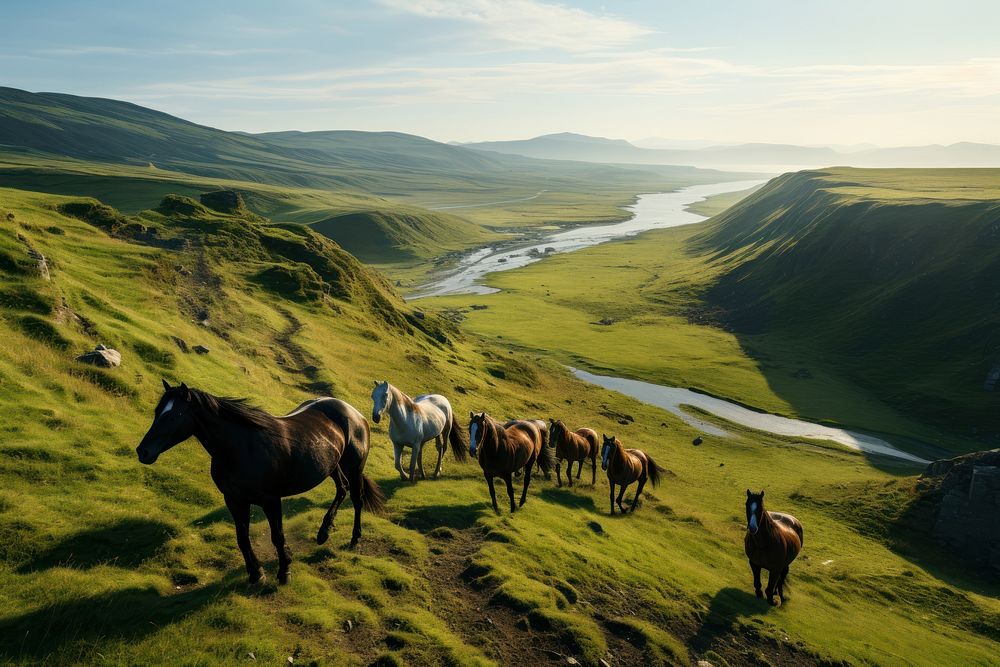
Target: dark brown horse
504,450
626,466
772,542
577,445
257,459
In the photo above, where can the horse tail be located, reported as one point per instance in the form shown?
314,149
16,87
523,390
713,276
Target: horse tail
547,455
653,471
372,498
457,439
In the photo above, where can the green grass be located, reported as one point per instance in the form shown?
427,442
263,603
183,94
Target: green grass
776,303
104,561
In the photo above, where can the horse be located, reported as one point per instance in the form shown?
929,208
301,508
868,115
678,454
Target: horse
414,421
577,445
625,466
772,542
504,450
258,459
543,429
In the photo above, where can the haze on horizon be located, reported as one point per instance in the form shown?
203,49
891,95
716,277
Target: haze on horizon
777,71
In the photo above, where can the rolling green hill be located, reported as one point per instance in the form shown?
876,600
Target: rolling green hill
891,273
104,561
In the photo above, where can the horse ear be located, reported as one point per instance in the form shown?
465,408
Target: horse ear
762,493
375,382
748,493
166,385
472,415
184,388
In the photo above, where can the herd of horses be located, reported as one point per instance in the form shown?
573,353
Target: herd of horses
258,459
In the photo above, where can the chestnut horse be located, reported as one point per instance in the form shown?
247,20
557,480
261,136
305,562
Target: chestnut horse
257,458
543,428
626,466
577,445
772,542
504,450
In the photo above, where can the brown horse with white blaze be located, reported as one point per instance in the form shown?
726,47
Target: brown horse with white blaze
626,466
258,459
504,450
578,445
772,542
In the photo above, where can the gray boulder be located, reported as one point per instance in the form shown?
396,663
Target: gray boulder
102,356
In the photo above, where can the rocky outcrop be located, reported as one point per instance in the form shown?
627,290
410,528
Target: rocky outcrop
224,201
968,515
102,356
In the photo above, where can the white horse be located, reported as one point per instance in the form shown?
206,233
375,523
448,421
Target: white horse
414,421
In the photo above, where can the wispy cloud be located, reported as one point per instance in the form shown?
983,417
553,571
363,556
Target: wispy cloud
641,74
528,23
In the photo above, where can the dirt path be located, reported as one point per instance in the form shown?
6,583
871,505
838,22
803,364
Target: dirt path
301,362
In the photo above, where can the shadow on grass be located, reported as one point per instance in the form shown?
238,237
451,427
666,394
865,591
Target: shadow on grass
127,544
456,517
289,507
727,607
568,499
67,632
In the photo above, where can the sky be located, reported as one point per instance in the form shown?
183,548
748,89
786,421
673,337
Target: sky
881,72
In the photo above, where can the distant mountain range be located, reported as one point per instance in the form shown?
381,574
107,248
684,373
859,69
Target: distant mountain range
752,156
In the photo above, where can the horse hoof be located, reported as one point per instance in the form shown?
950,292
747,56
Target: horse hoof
322,536
773,602
258,579
283,577
759,593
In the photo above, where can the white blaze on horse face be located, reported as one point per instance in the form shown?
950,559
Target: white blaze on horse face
605,454
473,429
167,408
753,517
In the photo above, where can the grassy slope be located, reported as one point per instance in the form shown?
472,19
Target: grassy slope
661,280
106,562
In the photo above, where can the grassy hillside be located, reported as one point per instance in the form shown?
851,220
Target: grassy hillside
104,561
891,273
855,297
390,164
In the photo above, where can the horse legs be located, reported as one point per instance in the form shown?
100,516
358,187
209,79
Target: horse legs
559,473
493,492
272,509
612,497
593,471
781,585
356,485
331,514
416,451
579,470
241,517
756,580
621,494
441,444
397,450
510,490
527,480
772,583
638,492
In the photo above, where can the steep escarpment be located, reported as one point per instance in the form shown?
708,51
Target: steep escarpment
891,279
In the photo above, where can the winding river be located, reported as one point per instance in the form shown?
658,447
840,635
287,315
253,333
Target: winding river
652,211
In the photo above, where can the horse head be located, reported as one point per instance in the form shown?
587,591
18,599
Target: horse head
173,423
556,430
755,511
607,449
380,400
478,426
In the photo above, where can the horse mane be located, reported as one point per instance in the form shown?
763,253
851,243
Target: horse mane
234,409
